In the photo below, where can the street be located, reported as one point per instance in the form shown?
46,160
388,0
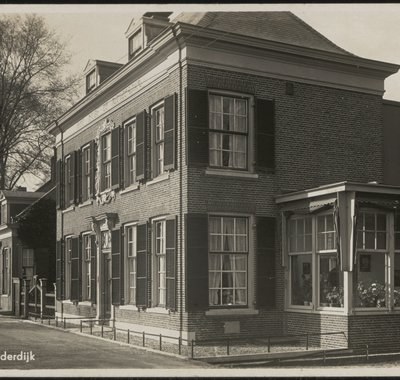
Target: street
46,348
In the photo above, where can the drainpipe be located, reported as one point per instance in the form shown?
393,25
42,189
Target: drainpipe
62,215
180,183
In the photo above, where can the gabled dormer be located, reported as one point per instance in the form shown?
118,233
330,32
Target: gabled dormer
97,71
142,31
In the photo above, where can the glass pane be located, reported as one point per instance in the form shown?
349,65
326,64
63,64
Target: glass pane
229,225
292,244
240,297
239,161
228,121
241,226
360,243
397,241
331,282
215,122
308,243
397,280
381,240
241,123
215,158
227,279
240,144
227,297
321,242
308,225
300,226
215,225
329,223
241,245
215,103
228,243
228,105
381,222
227,262
370,280
321,223
240,262
215,262
240,108
300,243
292,227
301,280
397,222
330,241
369,240
214,297
370,221
215,243
240,280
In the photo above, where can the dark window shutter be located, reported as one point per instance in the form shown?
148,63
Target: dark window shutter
92,168
197,126
171,250
93,270
78,195
141,146
265,119
266,261
169,132
121,157
59,184
116,267
75,269
59,270
115,143
197,262
72,178
141,269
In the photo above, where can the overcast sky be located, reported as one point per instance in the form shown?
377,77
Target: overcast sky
98,31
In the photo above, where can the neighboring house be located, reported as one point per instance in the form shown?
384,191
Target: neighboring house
222,183
16,259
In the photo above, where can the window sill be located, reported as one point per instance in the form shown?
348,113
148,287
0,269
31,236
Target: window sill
86,203
4,295
233,312
231,173
130,188
85,303
69,209
3,227
373,311
157,310
160,178
128,307
67,302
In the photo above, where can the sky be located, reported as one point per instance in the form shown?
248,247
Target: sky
97,31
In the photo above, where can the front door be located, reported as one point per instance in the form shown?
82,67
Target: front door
107,285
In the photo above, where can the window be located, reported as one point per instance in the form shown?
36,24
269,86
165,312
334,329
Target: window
130,135
330,276
4,217
160,258
106,161
396,294
300,252
27,263
6,270
86,186
228,241
130,236
90,81
68,180
158,127
371,276
135,43
86,270
228,132
67,268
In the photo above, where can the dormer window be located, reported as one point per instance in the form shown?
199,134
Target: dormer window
135,43
90,81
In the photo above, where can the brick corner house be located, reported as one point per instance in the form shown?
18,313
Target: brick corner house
230,180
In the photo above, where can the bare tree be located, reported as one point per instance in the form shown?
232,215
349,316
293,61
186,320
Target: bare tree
33,92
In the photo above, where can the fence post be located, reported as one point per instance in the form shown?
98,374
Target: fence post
307,341
114,333
192,347
91,327
227,346
65,323
144,339
43,291
366,351
324,356
102,331
269,344
180,345
80,328
35,280
128,336
160,342
56,321
26,298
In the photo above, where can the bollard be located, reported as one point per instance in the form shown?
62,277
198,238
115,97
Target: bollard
80,328
65,323
324,356
192,347
160,342
128,336
269,344
102,331
180,345
307,341
91,327
114,333
144,339
366,351
227,347
56,321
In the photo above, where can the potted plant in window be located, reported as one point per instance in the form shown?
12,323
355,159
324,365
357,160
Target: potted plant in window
371,296
307,290
335,296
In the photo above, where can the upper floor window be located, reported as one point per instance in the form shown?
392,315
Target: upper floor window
130,136
158,128
371,231
86,173
228,258
228,121
135,43
106,161
90,81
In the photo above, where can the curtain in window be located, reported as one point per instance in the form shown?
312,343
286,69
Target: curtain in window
228,234
215,279
239,151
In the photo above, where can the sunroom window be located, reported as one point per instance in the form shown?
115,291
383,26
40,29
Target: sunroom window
396,294
370,275
300,251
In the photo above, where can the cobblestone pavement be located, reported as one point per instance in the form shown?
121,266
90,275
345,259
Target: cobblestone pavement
46,348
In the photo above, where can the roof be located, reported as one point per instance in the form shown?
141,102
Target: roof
10,194
282,27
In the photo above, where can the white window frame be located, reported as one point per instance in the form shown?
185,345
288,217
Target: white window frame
127,259
90,81
67,267
130,156
131,50
160,290
221,253
106,162
86,266
86,172
250,132
158,143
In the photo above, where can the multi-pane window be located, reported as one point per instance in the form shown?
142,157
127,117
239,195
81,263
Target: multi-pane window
130,236
67,266
90,81
158,125
300,251
396,294
228,131
135,43
228,241
5,271
330,276
106,160
68,180
86,267
160,253
86,173
130,133
27,263
371,275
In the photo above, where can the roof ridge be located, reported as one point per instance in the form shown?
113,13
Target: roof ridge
314,31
